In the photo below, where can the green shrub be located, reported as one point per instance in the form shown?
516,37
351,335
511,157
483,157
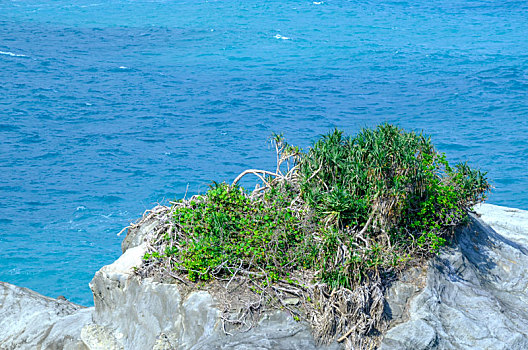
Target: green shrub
226,231
348,209
386,195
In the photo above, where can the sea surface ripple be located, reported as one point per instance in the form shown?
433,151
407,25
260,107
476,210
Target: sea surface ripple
108,107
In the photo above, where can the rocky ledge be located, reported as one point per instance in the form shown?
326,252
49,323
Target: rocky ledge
471,296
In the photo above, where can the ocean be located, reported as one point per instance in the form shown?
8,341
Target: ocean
109,107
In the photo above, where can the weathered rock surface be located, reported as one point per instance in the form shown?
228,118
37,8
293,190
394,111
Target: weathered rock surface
472,296
143,314
137,234
475,295
29,320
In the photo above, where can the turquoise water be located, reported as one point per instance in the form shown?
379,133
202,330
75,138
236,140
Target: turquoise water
107,108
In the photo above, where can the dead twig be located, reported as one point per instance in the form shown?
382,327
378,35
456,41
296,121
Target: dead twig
256,172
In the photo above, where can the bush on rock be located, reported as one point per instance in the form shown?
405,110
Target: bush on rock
325,225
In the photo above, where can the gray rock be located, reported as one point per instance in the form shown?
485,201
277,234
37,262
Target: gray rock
29,320
131,313
472,296
414,334
476,294
97,337
275,331
136,235
401,293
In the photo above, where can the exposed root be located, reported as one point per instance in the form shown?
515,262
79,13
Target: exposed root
356,315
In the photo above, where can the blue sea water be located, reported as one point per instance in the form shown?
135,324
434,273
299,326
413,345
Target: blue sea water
108,107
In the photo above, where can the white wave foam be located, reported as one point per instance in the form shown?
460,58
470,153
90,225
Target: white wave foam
123,67
90,5
278,36
318,2
7,53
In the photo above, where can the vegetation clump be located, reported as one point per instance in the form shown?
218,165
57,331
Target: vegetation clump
327,227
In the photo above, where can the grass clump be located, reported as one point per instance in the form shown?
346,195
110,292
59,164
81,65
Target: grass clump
326,226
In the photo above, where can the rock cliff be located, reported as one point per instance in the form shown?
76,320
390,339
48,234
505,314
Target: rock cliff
474,295
29,320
